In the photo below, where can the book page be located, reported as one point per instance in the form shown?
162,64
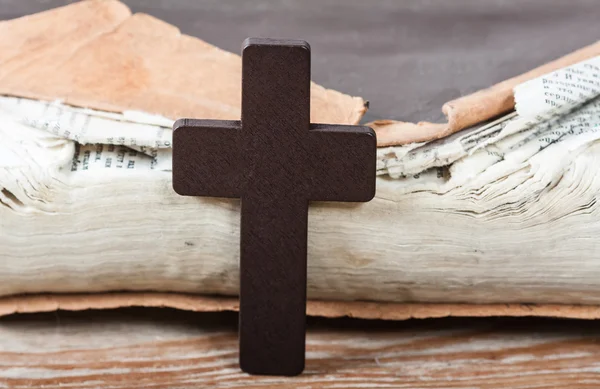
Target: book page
562,106
413,158
129,140
88,126
559,92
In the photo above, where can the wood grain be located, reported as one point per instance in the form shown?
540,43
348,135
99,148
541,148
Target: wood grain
156,348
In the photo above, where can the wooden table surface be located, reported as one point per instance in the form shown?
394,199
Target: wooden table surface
156,348
407,57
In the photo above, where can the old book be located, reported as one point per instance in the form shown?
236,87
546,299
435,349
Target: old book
499,213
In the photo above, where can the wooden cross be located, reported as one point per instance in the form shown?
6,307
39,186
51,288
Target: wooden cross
276,161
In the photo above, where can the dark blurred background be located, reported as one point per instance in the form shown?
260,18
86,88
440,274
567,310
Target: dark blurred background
407,57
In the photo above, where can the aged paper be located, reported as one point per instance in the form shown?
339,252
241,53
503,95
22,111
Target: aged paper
103,139
562,106
87,126
96,54
473,109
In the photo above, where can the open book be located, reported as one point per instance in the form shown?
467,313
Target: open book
502,212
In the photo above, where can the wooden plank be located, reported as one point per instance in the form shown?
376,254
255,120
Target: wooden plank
132,348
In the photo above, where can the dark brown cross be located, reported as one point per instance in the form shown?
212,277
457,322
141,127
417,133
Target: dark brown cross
276,161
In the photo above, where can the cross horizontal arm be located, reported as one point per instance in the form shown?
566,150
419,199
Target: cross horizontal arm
206,158
345,170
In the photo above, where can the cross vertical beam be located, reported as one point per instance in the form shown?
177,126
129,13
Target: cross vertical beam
275,122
